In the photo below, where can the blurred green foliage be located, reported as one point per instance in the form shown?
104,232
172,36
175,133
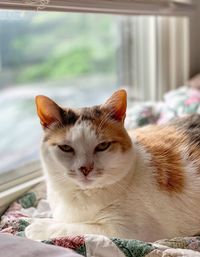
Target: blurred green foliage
47,46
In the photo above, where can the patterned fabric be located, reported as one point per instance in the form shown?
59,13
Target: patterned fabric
141,114
76,243
180,102
20,213
133,247
192,243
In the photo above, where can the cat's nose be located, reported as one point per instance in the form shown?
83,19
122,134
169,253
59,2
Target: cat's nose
86,169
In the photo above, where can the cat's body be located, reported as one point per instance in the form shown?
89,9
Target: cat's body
145,185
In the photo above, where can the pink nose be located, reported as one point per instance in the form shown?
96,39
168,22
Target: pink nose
86,169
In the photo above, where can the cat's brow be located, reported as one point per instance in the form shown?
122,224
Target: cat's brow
69,117
91,113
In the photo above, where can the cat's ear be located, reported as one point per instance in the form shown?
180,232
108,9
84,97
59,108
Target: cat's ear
48,111
116,105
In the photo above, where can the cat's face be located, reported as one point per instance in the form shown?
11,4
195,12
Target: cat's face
87,146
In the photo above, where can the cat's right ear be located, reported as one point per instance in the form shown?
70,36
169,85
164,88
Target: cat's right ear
116,105
48,111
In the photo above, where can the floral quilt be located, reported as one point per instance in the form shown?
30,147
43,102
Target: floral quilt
34,205
179,102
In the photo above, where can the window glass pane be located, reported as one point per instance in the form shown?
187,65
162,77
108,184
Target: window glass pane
79,60
71,57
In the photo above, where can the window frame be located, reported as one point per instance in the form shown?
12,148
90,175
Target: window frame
155,7
164,65
22,179
20,175
14,192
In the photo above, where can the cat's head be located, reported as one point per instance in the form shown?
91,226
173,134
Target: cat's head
89,146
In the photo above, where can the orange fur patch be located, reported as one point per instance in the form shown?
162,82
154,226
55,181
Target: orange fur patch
164,144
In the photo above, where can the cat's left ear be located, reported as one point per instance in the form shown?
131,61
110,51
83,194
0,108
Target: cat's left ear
116,105
48,111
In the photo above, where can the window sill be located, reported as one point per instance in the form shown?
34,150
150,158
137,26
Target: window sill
11,194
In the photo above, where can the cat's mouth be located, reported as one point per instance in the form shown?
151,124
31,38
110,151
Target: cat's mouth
86,180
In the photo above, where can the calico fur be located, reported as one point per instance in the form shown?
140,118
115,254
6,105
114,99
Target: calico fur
145,186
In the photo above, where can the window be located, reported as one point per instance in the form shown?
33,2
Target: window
67,56
78,59
154,54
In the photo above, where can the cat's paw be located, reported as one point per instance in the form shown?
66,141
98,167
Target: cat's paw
39,230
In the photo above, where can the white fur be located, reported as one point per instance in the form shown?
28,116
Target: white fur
119,198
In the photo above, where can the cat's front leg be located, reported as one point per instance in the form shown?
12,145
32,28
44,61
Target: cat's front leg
42,229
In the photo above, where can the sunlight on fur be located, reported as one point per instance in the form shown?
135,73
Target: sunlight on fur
102,179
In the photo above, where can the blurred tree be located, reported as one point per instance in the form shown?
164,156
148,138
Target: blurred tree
44,46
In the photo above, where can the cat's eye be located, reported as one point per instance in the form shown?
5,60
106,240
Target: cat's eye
66,148
102,147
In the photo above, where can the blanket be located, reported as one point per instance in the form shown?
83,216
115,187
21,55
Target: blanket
33,205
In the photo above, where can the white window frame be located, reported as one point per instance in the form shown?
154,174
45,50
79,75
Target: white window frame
161,7
162,63
22,179
20,175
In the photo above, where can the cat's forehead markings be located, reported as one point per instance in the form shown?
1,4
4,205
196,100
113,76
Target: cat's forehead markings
69,117
84,119
90,114
82,131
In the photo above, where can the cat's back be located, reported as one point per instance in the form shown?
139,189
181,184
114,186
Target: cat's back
170,179
173,150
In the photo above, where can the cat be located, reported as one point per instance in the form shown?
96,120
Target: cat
102,179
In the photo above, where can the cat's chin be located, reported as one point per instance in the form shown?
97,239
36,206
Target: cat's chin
92,183
86,183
